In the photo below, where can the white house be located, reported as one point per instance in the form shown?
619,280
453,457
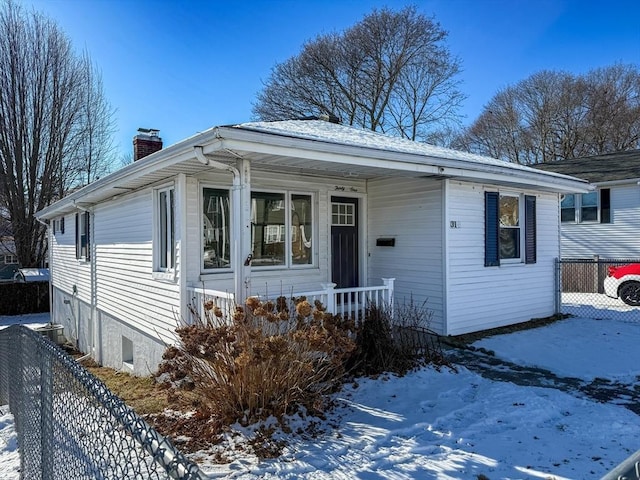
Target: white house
301,207
606,221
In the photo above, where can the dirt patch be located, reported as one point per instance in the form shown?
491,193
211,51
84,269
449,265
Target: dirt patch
469,338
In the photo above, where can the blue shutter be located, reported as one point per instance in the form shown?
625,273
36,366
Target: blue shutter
77,235
530,229
491,229
88,236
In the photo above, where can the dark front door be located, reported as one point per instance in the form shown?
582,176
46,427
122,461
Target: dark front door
344,242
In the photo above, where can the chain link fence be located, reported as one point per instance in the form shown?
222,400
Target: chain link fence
70,426
580,285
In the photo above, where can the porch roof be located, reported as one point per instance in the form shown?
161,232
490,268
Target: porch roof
313,148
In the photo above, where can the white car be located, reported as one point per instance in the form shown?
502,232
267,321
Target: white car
624,283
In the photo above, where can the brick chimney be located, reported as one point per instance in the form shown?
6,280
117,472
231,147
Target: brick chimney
146,142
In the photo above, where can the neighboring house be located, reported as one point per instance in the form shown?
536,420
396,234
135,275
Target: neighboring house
604,222
298,206
8,260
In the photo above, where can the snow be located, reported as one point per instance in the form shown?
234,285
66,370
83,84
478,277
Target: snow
320,130
445,425
583,348
32,320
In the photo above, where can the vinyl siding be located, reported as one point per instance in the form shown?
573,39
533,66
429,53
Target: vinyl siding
409,210
126,288
480,297
67,272
618,239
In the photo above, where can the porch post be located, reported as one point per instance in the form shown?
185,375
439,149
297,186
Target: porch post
243,241
389,282
331,298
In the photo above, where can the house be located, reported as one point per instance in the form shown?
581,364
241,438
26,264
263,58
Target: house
301,206
606,221
8,260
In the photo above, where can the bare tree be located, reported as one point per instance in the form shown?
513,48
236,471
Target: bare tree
391,72
45,88
554,115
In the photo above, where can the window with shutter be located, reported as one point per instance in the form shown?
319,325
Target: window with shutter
508,238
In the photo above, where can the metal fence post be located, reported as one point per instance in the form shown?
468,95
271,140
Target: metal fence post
558,279
46,414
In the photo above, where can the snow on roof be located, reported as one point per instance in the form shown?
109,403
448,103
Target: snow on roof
324,131
32,275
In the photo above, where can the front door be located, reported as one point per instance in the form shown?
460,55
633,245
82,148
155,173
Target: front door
344,242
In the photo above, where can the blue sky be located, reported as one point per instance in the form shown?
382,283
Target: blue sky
185,66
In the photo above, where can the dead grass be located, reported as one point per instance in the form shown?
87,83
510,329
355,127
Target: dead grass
156,403
142,394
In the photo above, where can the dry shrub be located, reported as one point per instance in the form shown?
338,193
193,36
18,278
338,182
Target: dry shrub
268,359
396,341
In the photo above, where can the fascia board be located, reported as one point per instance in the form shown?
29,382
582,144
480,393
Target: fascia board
268,144
611,183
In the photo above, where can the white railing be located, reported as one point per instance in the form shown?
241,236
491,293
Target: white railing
347,302
199,296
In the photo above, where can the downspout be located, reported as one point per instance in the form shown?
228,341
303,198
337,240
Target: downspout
236,229
96,337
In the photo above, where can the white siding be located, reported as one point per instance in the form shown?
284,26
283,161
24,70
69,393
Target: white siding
126,288
68,273
71,286
480,297
618,239
409,210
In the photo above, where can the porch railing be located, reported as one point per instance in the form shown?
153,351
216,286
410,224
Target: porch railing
347,302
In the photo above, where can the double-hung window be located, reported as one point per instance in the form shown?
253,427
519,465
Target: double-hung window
165,256
510,228
592,207
83,242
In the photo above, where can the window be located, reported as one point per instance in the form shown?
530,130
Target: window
587,207
506,234
568,208
216,229
509,217
58,225
343,214
279,238
83,243
9,259
165,241
301,229
268,222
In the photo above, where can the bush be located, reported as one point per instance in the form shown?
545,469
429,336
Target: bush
395,341
268,359
24,298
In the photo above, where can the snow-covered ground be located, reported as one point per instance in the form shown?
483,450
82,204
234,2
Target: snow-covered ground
32,320
445,425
